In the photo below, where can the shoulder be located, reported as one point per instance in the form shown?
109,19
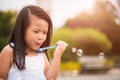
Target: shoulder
45,56
7,52
5,60
47,64
46,59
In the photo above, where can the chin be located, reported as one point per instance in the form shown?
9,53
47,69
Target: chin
37,48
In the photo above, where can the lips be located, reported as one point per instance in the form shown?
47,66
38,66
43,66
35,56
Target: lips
38,44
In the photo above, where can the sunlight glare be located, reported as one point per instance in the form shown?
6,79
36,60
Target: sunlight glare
66,9
87,5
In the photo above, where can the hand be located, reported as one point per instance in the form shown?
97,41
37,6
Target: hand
61,46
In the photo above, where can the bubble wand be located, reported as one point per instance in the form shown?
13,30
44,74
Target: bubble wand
46,48
39,50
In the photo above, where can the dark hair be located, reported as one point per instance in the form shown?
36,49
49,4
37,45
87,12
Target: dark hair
17,35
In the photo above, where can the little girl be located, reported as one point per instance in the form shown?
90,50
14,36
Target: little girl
21,61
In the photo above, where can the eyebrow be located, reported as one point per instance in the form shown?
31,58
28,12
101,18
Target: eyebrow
35,28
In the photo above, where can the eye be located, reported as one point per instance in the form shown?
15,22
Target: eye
36,31
45,32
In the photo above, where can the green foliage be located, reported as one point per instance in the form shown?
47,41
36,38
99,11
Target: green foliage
7,20
3,42
90,40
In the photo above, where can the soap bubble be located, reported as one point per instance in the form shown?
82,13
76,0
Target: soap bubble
101,55
74,49
74,73
101,58
79,52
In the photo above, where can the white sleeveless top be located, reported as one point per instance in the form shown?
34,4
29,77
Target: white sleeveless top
34,69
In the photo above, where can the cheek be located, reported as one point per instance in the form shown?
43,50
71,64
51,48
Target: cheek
28,37
45,38
29,40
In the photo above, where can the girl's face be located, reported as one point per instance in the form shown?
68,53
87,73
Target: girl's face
36,33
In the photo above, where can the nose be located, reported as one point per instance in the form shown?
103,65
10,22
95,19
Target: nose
40,36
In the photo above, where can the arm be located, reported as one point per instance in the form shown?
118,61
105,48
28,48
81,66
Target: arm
5,60
52,71
2,79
